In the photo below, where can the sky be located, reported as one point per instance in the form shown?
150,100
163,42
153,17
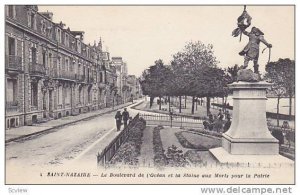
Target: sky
143,34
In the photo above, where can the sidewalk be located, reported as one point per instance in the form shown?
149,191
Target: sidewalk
25,131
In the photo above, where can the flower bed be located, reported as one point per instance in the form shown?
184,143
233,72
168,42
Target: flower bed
130,150
173,157
185,143
160,159
206,132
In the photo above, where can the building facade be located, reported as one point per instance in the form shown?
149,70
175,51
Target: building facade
122,75
134,87
49,71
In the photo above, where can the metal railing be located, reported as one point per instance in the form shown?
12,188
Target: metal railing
109,151
90,80
64,75
80,78
37,69
173,120
13,62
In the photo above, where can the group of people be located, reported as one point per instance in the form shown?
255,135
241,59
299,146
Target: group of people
216,121
122,116
221,115
162,101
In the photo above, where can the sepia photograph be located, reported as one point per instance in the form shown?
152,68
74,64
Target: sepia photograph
149,94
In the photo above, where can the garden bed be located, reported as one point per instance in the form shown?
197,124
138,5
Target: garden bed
130,150
186,144
172,157
197,141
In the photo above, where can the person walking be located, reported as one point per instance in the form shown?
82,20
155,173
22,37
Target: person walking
118,118
125,116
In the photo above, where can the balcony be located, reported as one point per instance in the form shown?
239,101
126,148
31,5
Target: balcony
13,64
90,80
80,78
12,106
64,75
36,69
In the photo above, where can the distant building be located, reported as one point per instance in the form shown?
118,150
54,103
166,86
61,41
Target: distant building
134,86
49,71
122,73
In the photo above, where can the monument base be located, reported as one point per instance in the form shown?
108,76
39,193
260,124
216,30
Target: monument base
263,160
250,146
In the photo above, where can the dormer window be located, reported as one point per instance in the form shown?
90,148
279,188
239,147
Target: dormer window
49,30
67,40
58,35
31,17
78,46
11,11
87,52
43,26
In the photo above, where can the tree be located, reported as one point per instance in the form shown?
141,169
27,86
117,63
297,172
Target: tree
282,74
193,58
155,81
212,82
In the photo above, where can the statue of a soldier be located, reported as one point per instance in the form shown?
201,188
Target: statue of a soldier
251,50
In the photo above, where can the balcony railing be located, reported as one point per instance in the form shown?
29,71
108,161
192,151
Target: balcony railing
90,80
13,62
11,106
80,78
64,75
37,69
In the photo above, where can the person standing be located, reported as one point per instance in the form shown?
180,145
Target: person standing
227,124
118,118
125,116
220,115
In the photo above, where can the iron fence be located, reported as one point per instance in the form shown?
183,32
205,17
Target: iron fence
173,120
109,151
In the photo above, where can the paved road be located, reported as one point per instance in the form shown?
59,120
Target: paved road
79,142
75,144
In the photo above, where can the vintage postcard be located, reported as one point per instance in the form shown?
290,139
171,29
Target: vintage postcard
149,94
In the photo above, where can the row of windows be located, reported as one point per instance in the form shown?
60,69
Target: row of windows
62,64
12,52
45,27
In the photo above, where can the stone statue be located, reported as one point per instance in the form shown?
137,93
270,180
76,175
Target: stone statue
251,50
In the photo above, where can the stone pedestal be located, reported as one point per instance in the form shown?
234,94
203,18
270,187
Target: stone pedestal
248,135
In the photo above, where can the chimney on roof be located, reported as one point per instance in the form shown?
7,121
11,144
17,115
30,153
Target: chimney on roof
47,14
100,44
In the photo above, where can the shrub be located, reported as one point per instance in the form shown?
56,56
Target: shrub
175,157
130,150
